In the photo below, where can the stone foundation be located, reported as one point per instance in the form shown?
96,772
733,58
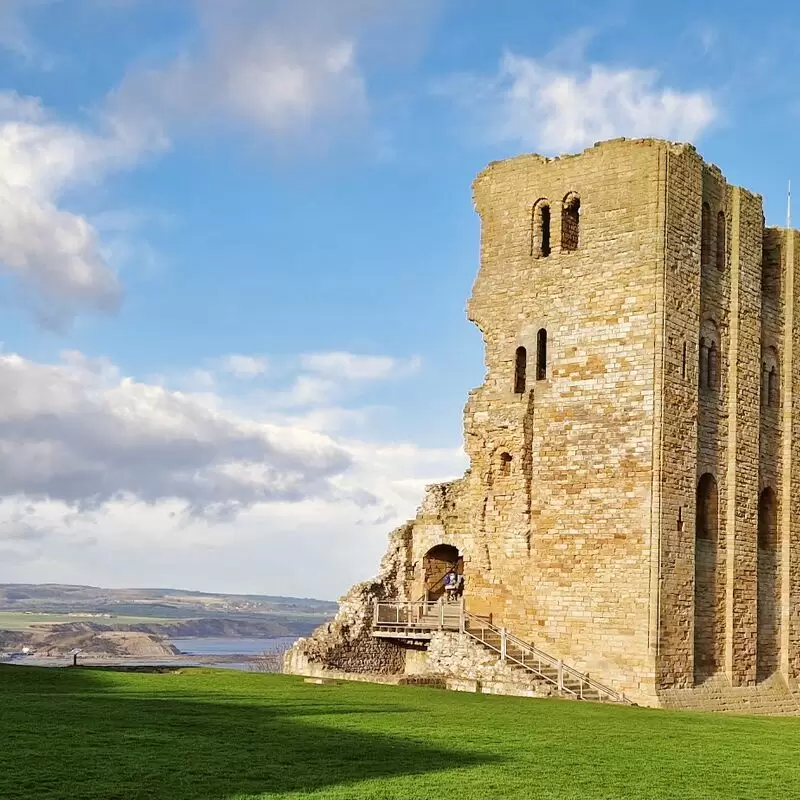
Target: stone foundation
771,697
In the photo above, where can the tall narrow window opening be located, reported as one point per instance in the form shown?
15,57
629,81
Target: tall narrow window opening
505,464
540,229
541,355
683,362
520,369
570,222
545,230
722,255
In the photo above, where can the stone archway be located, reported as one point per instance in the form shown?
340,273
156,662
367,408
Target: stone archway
436,563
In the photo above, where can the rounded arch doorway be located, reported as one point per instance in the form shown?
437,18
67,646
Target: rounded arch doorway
437,562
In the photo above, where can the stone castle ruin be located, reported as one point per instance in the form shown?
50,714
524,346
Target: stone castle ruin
629,526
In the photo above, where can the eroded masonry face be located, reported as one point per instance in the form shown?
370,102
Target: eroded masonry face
630,505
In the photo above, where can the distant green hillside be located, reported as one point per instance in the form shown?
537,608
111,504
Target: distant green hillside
163,612
171,603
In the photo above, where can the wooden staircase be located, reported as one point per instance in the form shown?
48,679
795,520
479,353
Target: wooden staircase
419,621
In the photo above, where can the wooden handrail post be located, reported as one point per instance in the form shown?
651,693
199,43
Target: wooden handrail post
503,641
462,622
441,615
560,675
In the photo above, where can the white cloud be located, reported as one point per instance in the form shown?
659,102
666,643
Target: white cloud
285,69
556,110
99,472
80,433
241,366
56,255
350,366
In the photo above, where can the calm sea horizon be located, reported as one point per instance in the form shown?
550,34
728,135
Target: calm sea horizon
225,646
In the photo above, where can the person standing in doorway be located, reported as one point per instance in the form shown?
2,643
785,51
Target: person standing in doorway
450,585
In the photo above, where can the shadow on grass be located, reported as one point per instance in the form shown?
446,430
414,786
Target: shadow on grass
79,736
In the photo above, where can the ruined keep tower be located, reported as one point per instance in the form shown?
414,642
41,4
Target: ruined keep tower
628,505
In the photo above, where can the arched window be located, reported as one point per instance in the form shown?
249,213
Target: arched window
722,255
570,222
520,369
705,236
540,229
767,520
706,519
505,464
541,355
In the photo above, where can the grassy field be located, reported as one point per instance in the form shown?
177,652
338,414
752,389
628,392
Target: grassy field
220,735
18,621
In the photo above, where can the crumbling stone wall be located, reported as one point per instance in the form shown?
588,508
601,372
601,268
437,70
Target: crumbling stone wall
346,643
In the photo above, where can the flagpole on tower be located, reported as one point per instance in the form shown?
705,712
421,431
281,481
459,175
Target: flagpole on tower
789,206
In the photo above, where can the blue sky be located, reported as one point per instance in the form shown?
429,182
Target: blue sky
236,241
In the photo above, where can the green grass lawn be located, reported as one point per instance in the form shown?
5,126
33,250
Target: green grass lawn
218,735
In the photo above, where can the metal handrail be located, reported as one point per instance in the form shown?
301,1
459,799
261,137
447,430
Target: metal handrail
412,615
542,658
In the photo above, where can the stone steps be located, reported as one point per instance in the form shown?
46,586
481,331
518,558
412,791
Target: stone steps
549,674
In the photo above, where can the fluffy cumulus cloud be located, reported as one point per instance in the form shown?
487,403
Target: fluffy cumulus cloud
99,471
55,254
555,110
79,433
286,70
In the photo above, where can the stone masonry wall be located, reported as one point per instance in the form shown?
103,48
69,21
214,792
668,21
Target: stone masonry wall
569,544
456,657
620,442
